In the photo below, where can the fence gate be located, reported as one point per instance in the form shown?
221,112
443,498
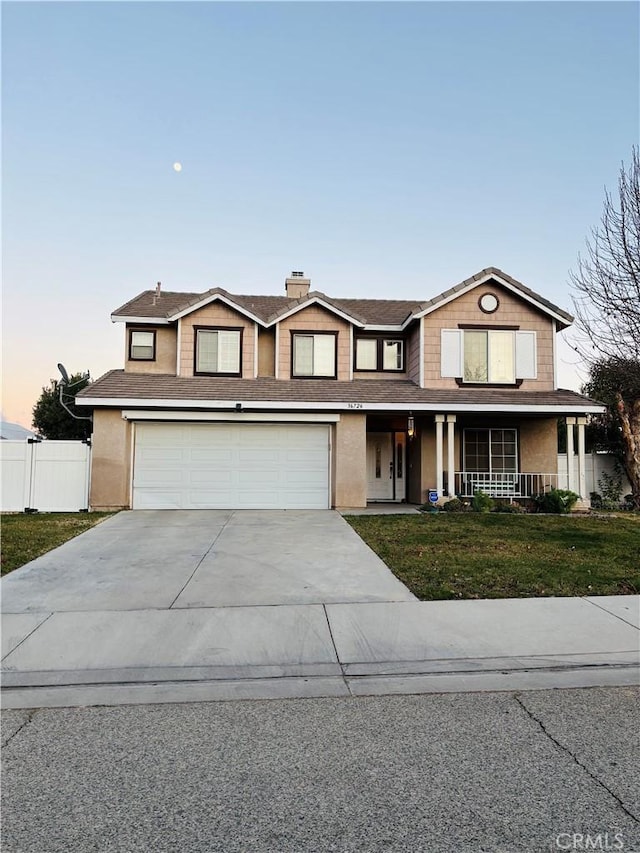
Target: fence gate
45,476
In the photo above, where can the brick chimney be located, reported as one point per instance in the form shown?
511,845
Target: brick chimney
297,285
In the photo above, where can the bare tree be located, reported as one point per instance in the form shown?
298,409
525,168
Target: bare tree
607,306
607,280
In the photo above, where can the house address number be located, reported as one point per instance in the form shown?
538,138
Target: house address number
354,405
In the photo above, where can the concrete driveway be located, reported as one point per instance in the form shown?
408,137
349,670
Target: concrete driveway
205,558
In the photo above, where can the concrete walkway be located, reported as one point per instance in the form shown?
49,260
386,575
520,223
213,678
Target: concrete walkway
193,606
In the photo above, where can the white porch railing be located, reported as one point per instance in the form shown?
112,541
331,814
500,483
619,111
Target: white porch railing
503,485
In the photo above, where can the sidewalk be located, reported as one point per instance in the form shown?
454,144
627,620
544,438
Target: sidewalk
311,650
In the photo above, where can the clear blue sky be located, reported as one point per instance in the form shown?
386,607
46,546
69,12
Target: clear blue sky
386,149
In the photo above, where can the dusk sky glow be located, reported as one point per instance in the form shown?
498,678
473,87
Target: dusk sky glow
389,150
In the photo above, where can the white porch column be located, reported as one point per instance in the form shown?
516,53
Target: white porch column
451,471
439,454
582,472
571,485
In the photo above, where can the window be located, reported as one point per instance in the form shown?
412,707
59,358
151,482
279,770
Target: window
379,354
314,355
366,354
142,346
218,351
489,356
492,451
477,355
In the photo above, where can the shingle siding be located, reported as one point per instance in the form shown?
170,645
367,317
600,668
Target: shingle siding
511,312
216,314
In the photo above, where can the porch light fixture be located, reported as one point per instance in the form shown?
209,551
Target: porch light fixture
411,426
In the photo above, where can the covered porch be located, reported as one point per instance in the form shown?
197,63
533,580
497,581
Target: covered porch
507,456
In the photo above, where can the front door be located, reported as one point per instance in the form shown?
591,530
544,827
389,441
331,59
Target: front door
385,466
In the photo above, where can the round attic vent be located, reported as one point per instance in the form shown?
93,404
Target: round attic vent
488,303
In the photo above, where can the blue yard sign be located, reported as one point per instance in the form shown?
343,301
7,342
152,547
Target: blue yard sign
433,496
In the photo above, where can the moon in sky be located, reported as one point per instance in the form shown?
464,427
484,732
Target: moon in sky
177,167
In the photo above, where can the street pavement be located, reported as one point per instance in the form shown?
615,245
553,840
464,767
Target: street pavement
459,773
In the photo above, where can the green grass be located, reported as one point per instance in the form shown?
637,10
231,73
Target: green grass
473,555
25,537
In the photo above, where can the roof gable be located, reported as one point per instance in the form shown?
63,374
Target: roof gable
563,318
316,298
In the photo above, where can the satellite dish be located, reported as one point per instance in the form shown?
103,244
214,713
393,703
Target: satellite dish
65,375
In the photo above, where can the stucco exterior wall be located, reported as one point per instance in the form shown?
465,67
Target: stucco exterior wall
512,311
266,352
110,460
166,351
216,314
414,467
314,319
349,468
428,457
539,446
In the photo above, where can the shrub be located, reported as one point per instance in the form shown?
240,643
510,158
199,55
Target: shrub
596,500
481,502
454,505
516,509
610,491
555,501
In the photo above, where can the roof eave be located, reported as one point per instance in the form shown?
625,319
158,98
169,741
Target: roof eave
314,298
218,296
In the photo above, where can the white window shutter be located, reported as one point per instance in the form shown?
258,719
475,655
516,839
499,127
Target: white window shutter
451,352
526,366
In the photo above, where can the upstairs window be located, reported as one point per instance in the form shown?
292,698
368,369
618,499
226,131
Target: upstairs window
379,354
314,355
142,346
488,356
218,351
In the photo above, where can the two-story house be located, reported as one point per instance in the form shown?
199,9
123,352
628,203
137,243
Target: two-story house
308,401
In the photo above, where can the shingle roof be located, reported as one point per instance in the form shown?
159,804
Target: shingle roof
374,312
145,304
119,385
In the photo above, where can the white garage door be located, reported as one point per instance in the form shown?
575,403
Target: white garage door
225,466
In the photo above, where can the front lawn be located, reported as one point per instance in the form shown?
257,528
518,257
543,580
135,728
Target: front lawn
27,536
476,555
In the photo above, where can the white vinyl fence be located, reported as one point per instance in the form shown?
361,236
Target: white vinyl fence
595,465
47,476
